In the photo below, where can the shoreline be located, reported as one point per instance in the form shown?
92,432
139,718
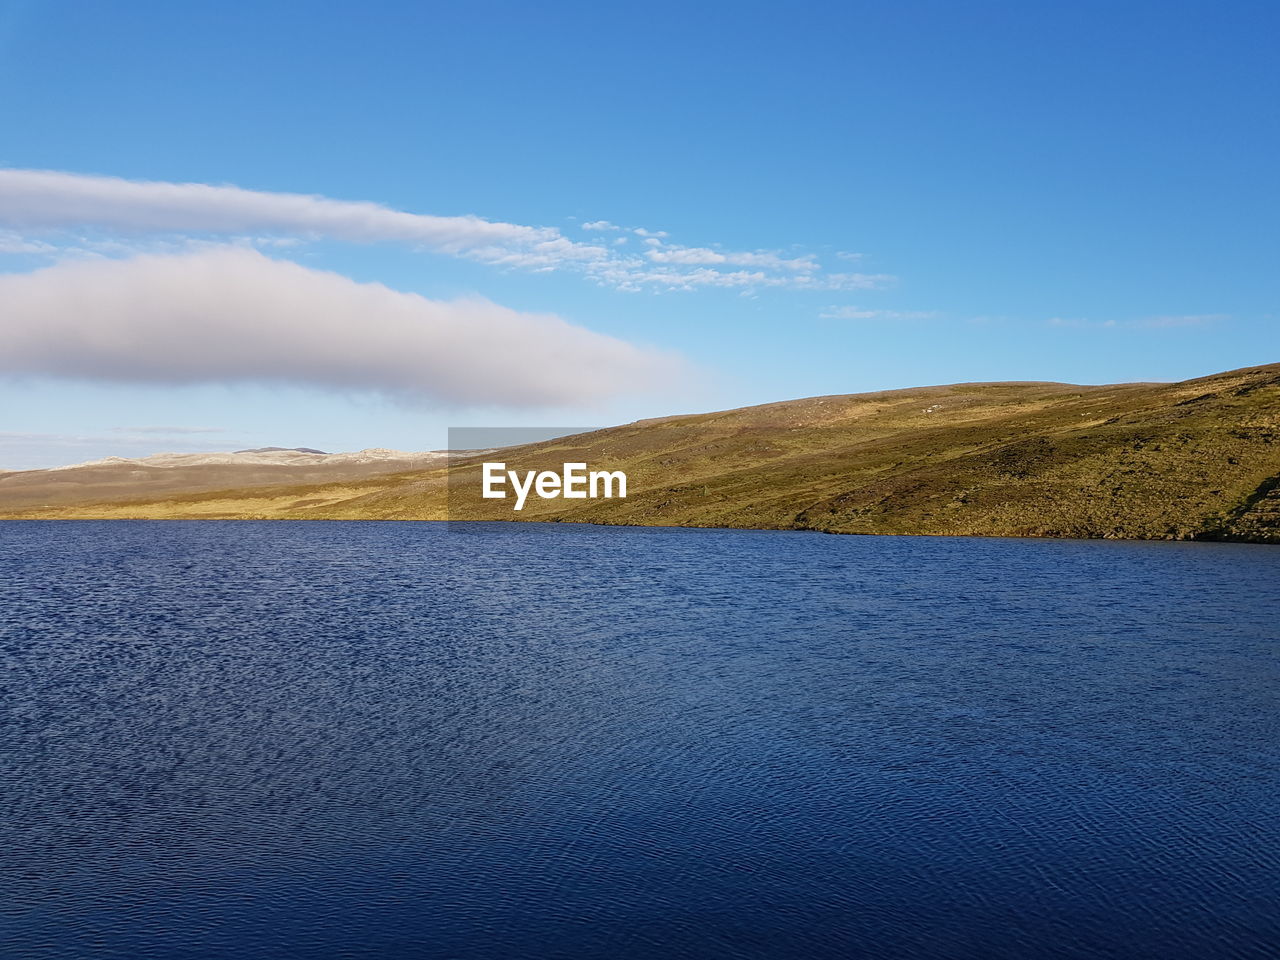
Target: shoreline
657,526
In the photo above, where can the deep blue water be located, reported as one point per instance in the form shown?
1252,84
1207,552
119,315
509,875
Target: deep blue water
324,740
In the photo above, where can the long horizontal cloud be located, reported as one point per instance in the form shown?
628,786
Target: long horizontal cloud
48,200
232,314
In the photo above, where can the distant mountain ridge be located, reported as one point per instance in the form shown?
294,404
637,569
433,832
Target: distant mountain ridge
283,449
1199,459
282,456
172,474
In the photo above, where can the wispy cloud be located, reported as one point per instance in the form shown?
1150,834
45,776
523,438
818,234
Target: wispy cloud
660,252
633,276
233,314
1148,323
48,212
169,431
11,436
12,242
47,198
1078,322
34,451
862,313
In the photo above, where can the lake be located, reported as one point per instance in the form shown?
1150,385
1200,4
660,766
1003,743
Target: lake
322,740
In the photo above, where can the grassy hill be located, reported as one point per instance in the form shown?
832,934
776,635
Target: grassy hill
1193,460
165,475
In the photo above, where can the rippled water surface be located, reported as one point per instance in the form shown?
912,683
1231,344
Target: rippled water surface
524,741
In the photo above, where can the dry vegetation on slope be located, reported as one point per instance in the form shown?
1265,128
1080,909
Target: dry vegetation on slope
1193,460
118,479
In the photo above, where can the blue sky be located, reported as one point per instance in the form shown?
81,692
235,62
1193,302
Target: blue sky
834,198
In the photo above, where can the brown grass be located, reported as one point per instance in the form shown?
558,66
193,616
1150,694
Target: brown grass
1192,460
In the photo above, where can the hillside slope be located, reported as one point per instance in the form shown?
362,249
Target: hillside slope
1193,460
172,474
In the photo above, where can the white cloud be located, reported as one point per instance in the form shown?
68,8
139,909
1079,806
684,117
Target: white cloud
66,214
686,255
862,313
673,253
11,242
858,281
232,314
633,275
48,198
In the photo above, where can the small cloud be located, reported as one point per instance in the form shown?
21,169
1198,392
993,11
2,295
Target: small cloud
684,255
846,255
857,281
699,256
279,242
642,232
861,313
600,225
